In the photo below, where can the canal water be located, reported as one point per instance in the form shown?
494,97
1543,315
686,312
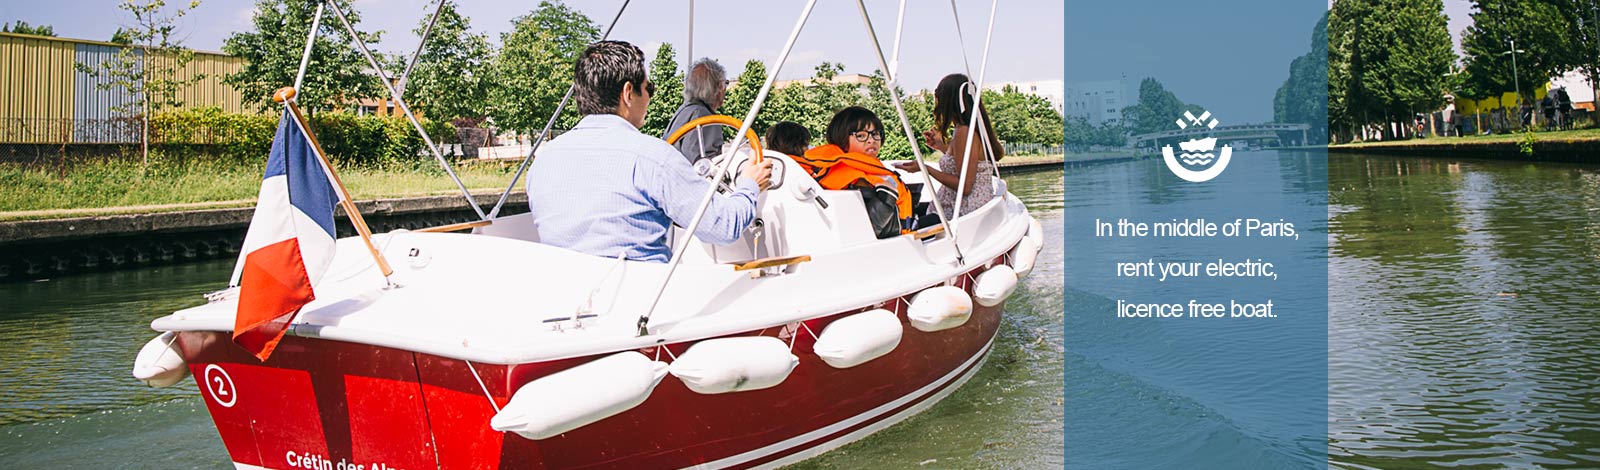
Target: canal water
1464,325
1464,331
67,399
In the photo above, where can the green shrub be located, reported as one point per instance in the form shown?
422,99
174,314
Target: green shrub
348,139
211,131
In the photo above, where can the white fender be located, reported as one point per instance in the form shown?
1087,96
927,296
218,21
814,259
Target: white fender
856,339
939,308
573,398
1035,229
1023,256
994,285
159,364
725,365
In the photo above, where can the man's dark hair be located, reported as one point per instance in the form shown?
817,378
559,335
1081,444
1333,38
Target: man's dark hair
849,121
788,138
601,72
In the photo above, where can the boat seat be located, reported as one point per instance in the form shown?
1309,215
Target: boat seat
518,227
792,223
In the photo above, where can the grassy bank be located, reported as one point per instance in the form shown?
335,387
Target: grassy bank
111,186
1556,136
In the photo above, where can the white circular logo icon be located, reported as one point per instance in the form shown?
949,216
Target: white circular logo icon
221,386
1197,153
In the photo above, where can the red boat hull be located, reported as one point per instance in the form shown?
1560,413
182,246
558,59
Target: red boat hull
333,405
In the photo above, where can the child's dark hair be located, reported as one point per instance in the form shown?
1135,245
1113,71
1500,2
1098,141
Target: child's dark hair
788,138
849,121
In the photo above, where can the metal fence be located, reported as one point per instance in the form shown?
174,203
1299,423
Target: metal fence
14,130
1034,149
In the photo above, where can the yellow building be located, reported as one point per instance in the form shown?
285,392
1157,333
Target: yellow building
45,99
1507,100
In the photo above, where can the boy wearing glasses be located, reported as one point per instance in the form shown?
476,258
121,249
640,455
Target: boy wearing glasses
850,161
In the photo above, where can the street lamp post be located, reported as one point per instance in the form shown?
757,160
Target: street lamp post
1516,82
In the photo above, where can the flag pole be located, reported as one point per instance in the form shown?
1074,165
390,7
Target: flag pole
286,96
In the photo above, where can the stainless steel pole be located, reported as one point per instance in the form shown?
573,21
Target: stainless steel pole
539,139
711,191
428,31
401,102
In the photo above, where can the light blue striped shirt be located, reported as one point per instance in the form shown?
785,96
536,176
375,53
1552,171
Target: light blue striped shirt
606,189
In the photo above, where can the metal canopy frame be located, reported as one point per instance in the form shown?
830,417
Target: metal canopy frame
888,65
891,74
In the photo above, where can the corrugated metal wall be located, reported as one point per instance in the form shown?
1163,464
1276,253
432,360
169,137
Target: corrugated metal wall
36,96
100,108
210,91
43,96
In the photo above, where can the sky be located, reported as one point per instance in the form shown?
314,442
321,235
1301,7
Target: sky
1026,45
1105,40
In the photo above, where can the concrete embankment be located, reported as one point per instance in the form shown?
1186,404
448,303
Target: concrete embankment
1022,164
34,249
1546,150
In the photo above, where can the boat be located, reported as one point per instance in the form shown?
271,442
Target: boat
483,348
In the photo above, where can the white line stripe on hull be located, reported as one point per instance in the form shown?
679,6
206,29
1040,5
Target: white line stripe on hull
955,378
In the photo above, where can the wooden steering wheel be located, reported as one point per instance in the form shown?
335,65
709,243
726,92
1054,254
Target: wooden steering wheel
730,121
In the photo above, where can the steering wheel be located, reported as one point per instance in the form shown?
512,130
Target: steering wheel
730,121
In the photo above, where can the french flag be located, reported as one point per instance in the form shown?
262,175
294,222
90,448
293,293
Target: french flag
290,241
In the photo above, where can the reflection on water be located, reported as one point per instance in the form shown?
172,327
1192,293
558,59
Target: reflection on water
1193,393
69,343
1009,415
1463,323
67,398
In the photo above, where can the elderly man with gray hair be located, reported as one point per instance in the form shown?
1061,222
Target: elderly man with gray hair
703,91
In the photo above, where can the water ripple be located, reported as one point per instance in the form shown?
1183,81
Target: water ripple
1463,327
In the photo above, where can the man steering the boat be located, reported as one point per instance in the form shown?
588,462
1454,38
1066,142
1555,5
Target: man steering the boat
605,189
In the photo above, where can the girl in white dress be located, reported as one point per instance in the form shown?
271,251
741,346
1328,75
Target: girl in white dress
952,110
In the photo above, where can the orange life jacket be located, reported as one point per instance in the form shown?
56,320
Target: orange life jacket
836,169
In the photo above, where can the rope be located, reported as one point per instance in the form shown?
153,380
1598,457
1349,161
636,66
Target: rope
796,335
168,348
588,304
483,387
670,355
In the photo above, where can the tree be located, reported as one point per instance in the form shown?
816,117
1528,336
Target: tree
1341,62
895,145
150,68
335,76
1535,26
669,91
1022,117
1303,97
1387,60
1155,111
22,27
1410,56
1582,19
534,68
742,93
451,78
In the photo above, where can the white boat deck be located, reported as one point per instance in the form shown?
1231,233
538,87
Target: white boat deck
503,300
